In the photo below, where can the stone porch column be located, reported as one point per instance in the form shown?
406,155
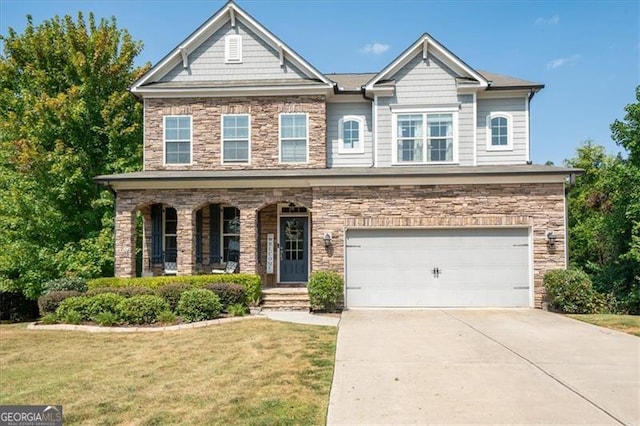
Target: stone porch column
146,238
186,241
125,250
248,236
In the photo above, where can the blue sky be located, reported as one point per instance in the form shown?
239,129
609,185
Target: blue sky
587,53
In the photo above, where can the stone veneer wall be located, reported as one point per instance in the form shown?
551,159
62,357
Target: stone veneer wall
206,124
538,206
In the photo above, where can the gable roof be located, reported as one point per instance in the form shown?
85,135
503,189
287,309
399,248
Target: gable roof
424,44
500,81
229,12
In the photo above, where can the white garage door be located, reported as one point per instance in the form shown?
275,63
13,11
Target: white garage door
437,267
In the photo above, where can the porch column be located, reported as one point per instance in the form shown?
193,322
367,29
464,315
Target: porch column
125,241
186,241
146,238
248,236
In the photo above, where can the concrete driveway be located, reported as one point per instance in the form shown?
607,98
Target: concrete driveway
482,367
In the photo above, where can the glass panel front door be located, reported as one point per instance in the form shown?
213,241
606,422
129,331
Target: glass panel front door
294,252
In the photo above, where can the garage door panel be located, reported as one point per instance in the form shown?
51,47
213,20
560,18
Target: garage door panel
474,267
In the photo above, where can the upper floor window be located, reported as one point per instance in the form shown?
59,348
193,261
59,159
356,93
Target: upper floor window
177,139
236,138
233,49
434,144
499,132
351,129
294,137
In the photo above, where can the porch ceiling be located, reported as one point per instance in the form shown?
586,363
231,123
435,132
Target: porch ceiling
301,178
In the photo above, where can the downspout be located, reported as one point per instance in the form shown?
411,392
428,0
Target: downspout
374,135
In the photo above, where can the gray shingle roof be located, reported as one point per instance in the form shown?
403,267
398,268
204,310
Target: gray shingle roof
504,81
234,83
351,81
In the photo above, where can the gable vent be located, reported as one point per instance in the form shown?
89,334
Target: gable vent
233,49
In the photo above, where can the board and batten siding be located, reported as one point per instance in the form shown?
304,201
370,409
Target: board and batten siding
517,109
425,83
337,111
259,60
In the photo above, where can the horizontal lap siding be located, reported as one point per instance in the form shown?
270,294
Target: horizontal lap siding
423,83
259,60
337,111
516,107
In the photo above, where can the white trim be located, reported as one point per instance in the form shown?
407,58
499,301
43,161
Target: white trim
144,136
280,138
503,94
421,109
532,281
164,140
528,132
233,49
281,54
434,47
360,146
374,137
566,227
475,129
209,28
280,215
222,160
425,49
185,56
425,139
382,91
507,116
232,17
157,92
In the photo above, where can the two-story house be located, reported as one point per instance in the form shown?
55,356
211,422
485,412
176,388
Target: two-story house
413,182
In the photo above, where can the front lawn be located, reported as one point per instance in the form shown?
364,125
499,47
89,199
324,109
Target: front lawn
625,323
248,372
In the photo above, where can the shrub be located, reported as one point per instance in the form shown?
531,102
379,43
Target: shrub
48,303
14,306
143,309
325,290
198,305
78,304
166,317
229,294
49,319
250,282
122,291
106,319
237,310
72,317
571,291
101,303
65,284
171,293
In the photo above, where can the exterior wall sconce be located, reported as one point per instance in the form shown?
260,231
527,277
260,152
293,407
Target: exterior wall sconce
327,239
551,239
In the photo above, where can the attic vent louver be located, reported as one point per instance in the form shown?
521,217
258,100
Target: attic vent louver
233,49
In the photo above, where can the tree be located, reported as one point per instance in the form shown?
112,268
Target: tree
65,116
604,212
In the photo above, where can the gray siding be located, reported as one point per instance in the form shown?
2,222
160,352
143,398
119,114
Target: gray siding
516,107
336,111
425,83
259,60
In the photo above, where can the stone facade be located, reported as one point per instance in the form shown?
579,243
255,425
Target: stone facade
539,207
206,120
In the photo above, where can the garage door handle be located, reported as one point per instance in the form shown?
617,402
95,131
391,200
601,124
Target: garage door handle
354,288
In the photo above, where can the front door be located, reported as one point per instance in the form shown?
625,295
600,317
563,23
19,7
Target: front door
294,252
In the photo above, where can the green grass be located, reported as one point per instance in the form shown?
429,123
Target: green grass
249,372
625,323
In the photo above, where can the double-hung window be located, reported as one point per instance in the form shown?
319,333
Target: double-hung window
236,138
294,138
499,132
425,138
177,139
230,233
350,137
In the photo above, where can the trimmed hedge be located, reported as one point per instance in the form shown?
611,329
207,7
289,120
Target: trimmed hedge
72,307
48,303
325,290
102,303
171,293
143,309
229,294
198,305
250,282
122,291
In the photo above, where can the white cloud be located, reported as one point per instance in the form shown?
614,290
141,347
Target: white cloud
558,62
375,48
553,20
